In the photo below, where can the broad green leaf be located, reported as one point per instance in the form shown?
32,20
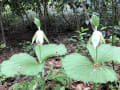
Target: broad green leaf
119,23
78,31
50,50
62,88
84,29
23,63
105,53
9,68
80,68
103,28
95,20
37,22
38,50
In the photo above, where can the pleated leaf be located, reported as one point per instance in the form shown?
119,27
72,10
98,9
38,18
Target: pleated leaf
21,63
37,22
80,68
105,53
95,20
49,50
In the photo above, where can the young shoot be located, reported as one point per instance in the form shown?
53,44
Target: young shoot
39,35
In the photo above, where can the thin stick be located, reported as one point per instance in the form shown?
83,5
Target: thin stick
113,28
87,14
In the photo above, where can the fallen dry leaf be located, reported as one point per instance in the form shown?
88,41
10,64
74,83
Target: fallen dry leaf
79,87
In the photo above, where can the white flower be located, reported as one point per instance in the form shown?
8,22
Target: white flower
97,38
39,37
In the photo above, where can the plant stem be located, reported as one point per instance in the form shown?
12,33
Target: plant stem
95,86
42,82
69,82
96,54
112,22
1,25
40,54
113,27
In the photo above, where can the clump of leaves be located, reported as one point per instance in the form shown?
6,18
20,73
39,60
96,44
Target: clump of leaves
2,77
57,74
2,46
26,47
25,85
114,86
116,39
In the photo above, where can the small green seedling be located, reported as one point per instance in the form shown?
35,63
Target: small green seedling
2,46
119,23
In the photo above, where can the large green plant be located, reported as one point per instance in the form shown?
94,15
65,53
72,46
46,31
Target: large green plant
25,64
82,68
93,68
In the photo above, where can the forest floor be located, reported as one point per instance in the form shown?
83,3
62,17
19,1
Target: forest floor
16,43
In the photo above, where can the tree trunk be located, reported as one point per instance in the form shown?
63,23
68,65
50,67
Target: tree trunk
39,8
2,28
